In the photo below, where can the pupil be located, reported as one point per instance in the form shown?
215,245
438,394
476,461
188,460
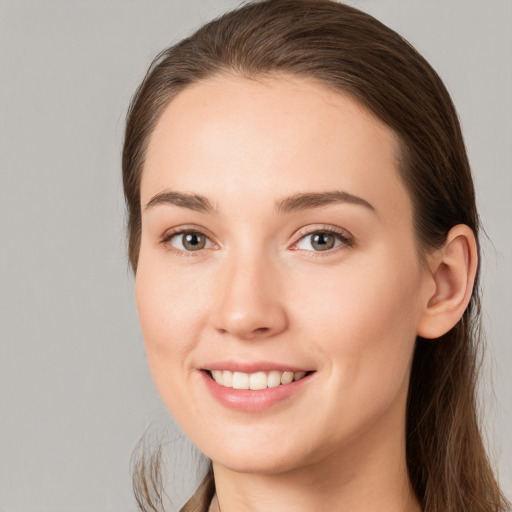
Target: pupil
323,241
194,241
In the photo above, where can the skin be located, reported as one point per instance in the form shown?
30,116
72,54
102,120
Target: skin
259,291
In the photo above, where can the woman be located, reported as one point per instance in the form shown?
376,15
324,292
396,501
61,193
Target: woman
303,230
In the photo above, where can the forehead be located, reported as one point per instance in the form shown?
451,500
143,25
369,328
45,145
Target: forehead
270,137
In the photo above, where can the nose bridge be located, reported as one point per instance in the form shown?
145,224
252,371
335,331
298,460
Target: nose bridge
249,303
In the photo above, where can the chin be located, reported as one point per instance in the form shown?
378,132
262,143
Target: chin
264,457
245,463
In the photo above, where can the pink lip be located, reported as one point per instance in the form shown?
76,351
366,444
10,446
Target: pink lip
262,366
249,400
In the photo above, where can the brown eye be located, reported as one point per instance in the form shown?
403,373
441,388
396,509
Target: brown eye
322,241
189,241
319,241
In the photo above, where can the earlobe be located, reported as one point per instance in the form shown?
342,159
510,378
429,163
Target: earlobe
452,276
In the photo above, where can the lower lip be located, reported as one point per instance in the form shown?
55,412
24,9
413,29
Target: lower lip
249,400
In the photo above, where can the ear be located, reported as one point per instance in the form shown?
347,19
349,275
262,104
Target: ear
450,282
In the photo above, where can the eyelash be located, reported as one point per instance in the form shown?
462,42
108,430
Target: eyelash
167,237
346,240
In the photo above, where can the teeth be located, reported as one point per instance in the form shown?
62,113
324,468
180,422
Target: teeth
240,380
218,376
254,381
287,377
258,381
227,377
274,379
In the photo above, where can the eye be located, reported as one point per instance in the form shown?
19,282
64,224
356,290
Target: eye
319,241
188,241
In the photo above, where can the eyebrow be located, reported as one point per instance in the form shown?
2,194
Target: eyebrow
191,201
295,203
311,200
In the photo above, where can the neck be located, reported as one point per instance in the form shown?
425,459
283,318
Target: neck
371,474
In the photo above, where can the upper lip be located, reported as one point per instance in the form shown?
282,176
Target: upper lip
253,367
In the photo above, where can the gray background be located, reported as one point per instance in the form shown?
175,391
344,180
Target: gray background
75,393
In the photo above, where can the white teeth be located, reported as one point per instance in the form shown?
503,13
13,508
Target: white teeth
258,381
218,376
274,379
254,381
227,379
240,380
287,377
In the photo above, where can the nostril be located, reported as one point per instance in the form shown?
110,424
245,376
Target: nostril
249,321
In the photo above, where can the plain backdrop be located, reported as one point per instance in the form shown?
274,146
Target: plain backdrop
75,392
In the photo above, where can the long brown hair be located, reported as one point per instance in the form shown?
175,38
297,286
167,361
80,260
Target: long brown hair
353,53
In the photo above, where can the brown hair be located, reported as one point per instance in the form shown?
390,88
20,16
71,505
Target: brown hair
353,53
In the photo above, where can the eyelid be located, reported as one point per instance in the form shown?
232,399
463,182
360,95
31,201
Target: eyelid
347,238
180,230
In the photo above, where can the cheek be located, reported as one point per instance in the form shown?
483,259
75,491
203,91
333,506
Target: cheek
365,320
169,308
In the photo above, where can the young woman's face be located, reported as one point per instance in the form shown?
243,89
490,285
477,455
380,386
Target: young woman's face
277,239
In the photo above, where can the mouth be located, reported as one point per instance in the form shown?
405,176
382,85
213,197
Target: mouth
260,387
256,381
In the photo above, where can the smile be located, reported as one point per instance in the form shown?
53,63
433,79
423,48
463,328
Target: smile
255,381
261,386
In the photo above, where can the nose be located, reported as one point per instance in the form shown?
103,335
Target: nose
249,305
